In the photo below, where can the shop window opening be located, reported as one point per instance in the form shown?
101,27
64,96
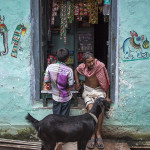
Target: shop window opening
87,31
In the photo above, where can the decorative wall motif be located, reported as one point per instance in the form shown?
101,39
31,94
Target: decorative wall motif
4,33
15,92
134,47
20,30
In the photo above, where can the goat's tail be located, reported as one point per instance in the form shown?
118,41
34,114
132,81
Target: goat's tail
32,120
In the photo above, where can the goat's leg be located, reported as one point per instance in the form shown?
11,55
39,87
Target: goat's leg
52,145
48,146
44,146
84,143
79,145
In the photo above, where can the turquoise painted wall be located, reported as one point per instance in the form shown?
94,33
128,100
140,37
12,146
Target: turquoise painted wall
15,100
128,117
15,69
131,113
134,81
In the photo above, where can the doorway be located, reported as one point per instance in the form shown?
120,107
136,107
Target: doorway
108,54
81,36
100,39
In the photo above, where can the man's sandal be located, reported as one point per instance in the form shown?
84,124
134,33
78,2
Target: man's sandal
99,145
90,144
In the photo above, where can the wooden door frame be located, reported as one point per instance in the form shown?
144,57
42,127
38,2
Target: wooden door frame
113,50
35,51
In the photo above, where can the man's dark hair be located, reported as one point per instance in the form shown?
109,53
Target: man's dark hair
86,55
62,54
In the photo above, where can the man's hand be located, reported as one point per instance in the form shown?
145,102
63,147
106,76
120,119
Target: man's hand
78,86
77,80
108,100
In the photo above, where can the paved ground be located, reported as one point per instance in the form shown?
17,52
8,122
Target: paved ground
109,145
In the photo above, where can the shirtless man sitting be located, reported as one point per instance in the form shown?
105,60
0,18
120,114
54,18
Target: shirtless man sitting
96,85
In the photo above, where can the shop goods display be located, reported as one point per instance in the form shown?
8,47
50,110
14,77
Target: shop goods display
77,9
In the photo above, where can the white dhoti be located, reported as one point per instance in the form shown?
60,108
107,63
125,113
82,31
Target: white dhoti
90,94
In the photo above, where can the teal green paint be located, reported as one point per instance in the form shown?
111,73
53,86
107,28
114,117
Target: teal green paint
130,115
15,72
107,2
133,106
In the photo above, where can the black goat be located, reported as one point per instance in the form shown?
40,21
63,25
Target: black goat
56,128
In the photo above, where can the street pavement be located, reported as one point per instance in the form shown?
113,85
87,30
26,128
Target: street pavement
109,145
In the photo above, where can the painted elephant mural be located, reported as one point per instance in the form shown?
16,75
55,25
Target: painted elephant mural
134,47
4,33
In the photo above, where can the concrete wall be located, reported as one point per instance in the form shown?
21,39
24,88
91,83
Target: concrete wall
15,70
129,117
14,61
15,65
134,80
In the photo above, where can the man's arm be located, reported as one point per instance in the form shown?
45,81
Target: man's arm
108,96
70,79
77,80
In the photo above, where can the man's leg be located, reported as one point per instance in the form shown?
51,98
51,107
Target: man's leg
91,142
57,110
100,122
99,141
59,146
65,108
56,107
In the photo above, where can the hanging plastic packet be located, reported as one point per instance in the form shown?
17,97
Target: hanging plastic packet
106,8
81,8
85,10
77,11
76,7
70,11
55,8
63,17
100,5
93,12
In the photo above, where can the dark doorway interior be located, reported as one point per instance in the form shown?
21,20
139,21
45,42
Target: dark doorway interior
100,39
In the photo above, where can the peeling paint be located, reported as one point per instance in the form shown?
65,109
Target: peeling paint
28,134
